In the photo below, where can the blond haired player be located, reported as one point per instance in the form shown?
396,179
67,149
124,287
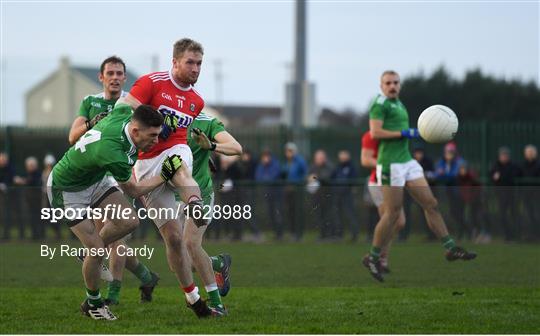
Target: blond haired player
172,93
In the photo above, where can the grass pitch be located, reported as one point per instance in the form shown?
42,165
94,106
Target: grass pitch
292,288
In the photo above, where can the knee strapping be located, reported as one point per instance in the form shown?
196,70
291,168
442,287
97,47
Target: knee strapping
195,210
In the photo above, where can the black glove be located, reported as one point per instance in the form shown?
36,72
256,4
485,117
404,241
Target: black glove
170,166
92,122
202,139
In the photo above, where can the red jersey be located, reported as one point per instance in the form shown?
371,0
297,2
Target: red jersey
160,91
369,143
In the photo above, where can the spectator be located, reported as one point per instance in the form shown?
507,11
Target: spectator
318,183
294,171
429,172
48,163
344,174
470,191
503,175
229,194
268,172
530,192
447,167
246,192
7,173
427,164
32,196
446,172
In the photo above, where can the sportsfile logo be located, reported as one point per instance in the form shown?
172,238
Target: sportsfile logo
184,120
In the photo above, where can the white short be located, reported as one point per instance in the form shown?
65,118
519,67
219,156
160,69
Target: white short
375,191
162,196
397,174
89,197
208,210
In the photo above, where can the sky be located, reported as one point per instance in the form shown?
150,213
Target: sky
349,43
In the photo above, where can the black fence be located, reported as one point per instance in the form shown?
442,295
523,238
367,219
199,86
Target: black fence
331,213
477,142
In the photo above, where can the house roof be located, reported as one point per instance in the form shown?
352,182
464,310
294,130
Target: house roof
92,74
88,72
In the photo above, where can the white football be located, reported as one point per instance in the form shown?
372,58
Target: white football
438,124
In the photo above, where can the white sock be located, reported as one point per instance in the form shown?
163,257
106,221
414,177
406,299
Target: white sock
211,287
193,296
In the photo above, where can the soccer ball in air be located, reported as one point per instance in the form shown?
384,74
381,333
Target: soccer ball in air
438,124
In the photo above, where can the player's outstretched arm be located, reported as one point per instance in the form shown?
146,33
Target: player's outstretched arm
378,132
227,144
129,100
137,189
78,128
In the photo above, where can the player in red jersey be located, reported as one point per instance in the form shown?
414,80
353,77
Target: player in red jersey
172,94
370,148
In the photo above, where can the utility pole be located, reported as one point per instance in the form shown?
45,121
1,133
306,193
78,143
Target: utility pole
299,63
299,108
154,63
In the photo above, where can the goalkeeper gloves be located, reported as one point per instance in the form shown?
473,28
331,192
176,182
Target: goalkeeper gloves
170,124
410,133
170,166
92,122
202,140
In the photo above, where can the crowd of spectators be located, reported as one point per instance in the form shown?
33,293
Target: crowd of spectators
22,196
324,193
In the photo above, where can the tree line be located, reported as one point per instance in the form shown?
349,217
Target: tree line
477,96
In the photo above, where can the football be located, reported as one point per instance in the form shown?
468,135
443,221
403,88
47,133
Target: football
438,124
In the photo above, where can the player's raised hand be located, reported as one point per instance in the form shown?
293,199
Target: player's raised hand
201,139
171,120
92,122
170,124
170,166
410,133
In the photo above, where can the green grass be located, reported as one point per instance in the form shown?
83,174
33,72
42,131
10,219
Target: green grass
292,288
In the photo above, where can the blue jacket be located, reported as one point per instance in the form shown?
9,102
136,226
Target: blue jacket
269,172
447,172
296,170
345,172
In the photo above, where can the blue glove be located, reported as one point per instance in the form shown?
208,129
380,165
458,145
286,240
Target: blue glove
170,123
165,132
410,133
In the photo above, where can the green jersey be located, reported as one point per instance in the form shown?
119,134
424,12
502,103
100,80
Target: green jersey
395,117
105,148
94,104
201,172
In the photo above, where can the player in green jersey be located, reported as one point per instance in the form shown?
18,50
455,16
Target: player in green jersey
80,187
207,134
389,123
93,108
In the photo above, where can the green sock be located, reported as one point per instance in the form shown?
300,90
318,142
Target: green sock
448,242
217,263
215,299
375,253
143,273
94,297
114,291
